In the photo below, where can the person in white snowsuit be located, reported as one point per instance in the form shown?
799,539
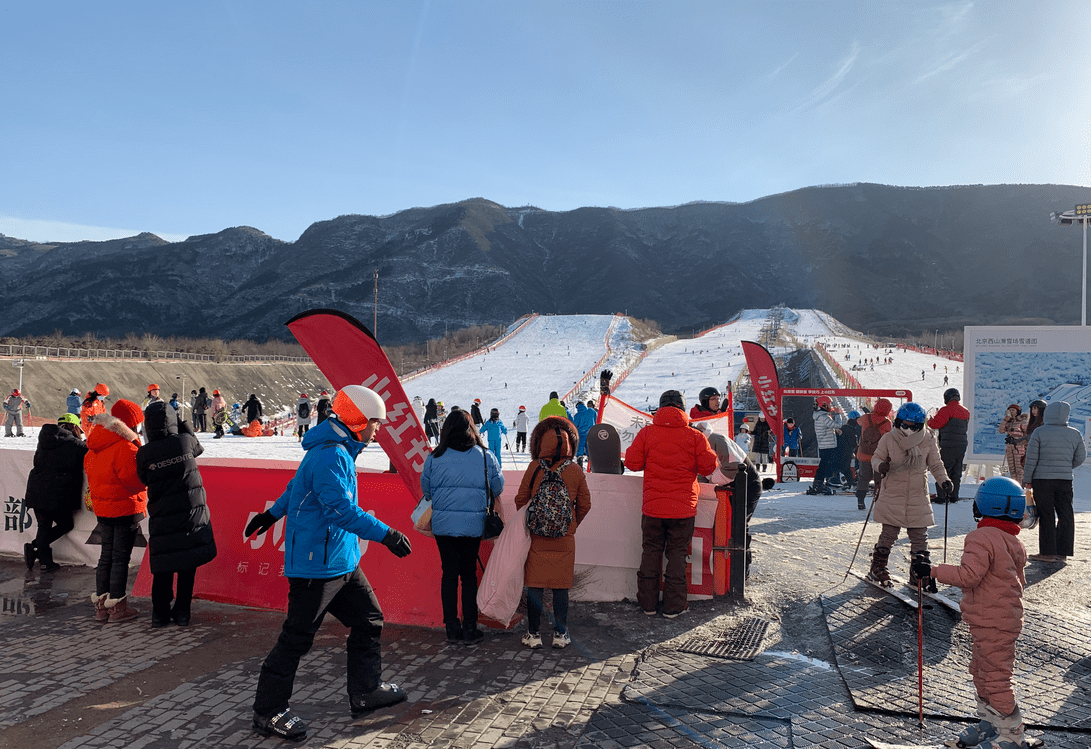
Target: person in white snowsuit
13,409
742,439
521,423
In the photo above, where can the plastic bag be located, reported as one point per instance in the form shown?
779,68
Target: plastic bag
501,586
1030,512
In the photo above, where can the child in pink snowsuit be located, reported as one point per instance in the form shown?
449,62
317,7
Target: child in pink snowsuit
992,582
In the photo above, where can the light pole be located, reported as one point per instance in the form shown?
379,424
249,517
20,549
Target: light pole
1080,214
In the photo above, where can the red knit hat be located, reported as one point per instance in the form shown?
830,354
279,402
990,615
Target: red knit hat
129,413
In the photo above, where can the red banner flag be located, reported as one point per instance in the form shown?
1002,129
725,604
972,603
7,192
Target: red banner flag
348,354
766,383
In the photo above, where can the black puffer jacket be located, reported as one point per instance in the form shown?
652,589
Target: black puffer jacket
253,408
179,526
761,437
55,483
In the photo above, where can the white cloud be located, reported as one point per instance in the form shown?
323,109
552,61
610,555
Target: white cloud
39,230
827,87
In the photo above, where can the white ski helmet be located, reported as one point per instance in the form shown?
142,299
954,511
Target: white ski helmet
355,405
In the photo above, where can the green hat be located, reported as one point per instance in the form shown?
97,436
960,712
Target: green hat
69,419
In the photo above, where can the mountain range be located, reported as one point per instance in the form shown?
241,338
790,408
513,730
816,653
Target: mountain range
882,259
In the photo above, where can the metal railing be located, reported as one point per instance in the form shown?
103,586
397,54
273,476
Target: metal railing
19,351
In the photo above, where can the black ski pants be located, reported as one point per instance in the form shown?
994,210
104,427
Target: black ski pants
51,526
952,463
118,536
352,601
1056,520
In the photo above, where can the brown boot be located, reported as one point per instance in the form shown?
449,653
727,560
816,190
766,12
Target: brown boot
101,614
878,572
119,610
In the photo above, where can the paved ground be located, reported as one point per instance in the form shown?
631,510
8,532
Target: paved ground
830,650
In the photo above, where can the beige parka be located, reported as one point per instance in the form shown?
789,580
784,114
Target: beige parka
903,500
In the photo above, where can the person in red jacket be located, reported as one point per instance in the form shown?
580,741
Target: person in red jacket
119,499
872,427
672,454
952,421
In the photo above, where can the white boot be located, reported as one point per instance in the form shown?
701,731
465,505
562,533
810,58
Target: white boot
982,731
1009,729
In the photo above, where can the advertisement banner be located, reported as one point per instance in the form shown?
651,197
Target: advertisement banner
766,384
348,354
1016,365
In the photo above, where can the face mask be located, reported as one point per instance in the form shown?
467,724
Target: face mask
102,397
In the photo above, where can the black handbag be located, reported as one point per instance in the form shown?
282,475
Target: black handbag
494,525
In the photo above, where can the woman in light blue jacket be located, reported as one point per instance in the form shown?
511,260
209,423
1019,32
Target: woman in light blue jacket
454,477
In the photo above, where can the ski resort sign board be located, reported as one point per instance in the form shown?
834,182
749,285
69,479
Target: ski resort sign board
1006,365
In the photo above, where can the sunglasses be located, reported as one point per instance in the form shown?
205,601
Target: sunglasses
912,426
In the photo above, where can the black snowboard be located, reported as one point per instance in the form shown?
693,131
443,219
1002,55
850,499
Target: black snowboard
604,449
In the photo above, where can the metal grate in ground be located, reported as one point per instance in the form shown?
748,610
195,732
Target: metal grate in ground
739,643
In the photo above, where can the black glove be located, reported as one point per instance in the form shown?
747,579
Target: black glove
398,544
884,468
922,570
604,381
260,523
947,487
1009,440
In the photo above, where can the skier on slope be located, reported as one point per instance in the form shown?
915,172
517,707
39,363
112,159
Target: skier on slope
521,422
902,458
475,413
492,429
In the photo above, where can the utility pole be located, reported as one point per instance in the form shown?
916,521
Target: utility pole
375,308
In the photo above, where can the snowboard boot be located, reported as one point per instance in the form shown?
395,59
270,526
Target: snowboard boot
1009,730
101,614
878,572
984,730
930,583
818,487
119,610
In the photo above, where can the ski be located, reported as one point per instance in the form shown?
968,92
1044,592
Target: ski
937,597
874,744
899,594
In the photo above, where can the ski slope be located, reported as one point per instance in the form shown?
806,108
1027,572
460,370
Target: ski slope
688,366
550,353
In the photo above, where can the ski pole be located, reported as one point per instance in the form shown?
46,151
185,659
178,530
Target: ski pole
858,542
920,652
946,509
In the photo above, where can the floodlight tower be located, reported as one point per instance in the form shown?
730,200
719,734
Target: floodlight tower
1081,214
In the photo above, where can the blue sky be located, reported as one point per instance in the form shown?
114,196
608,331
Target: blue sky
188,118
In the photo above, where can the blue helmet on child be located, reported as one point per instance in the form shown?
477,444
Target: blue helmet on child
1000,497
911,412
854,414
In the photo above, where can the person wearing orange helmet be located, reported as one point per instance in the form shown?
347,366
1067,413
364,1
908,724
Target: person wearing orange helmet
93,405
322,563
219,413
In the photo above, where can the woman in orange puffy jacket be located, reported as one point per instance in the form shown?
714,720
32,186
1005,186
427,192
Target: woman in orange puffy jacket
93,406
119,500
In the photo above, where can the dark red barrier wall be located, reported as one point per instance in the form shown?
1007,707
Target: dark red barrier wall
251,572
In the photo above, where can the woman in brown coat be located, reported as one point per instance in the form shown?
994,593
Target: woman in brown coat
552,560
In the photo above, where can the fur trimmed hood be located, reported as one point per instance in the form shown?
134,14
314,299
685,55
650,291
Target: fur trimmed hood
112,430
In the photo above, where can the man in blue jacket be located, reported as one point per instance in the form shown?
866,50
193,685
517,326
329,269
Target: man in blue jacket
321,562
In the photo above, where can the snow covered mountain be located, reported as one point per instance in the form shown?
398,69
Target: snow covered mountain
882,259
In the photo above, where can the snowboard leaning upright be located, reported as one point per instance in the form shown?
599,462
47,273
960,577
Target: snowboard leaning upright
604,449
